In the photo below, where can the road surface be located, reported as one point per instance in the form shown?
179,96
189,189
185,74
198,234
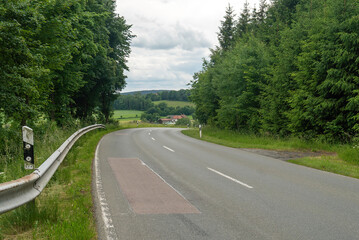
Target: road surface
159,184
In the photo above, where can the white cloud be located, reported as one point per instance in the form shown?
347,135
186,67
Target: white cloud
168,37
172,38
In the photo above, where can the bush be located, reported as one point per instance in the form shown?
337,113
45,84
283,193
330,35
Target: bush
183,122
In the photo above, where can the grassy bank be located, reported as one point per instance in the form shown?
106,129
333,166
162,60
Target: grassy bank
337,158
47,138
64,210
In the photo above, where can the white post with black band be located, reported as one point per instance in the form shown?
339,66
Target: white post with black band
28,143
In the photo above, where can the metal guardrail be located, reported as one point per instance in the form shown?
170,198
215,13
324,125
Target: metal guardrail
16,193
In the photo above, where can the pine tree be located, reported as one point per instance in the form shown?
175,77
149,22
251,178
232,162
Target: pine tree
227,30
327,75
262,12
243,23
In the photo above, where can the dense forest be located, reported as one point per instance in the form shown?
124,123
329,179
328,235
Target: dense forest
180,95
290,67
60,59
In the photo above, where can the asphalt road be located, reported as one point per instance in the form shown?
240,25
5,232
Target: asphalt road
159,184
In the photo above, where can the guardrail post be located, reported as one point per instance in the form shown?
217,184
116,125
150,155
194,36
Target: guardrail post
28,143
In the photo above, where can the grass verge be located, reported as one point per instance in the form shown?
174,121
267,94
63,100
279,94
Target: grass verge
330,164
47,139
64,210
343,159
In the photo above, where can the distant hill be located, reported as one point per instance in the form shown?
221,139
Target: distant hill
144,92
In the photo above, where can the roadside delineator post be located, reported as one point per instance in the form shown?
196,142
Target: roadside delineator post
200,131
28,143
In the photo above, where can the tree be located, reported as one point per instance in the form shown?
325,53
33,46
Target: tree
262,12
65,43
105,76
203,94
243,21
183,122
327,74
293,70
239,82
60,59
24,82
227,30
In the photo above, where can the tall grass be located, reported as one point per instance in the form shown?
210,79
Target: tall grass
64,210
47,138
349,154
19,223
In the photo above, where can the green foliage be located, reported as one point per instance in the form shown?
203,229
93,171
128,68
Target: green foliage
175,104
53,54
203,93
327,76
244,69
293,69
243,24
183,122
23,81
153,114
150,116
47,138
26,217
227,30
180,95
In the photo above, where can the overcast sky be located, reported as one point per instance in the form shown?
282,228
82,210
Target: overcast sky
172,38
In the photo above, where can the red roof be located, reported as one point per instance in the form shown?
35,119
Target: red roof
179,116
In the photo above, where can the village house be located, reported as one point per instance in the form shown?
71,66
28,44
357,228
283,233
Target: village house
166,121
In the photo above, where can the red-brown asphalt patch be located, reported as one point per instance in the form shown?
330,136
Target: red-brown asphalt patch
146,192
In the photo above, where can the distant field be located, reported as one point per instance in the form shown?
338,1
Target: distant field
175,103
127,115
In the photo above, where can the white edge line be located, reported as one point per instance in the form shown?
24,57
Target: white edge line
230,178
105,211
169,149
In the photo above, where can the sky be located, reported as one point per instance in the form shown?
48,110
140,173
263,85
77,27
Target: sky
172,38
